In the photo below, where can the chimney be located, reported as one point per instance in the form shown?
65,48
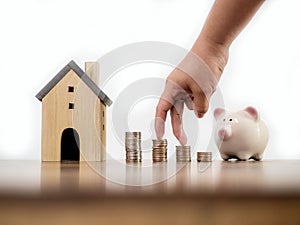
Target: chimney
92,70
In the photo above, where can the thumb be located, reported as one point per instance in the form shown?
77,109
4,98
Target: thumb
201,103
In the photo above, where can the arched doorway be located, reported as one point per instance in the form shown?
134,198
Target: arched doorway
70,145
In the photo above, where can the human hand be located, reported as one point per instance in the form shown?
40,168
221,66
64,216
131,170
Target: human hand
192,83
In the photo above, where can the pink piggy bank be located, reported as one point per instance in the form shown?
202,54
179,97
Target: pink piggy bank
241,135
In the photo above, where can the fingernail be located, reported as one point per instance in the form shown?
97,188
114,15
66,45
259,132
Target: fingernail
200,115
183,138
159,128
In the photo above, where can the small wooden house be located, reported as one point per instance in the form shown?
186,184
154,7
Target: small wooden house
74,115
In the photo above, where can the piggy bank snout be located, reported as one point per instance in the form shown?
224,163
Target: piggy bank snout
224,133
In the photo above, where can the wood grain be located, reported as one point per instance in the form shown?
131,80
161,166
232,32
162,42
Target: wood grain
56,117
230,193
92,70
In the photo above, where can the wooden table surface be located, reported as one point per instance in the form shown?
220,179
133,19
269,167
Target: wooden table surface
266,192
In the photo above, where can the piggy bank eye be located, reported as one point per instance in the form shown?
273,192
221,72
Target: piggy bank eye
224,120
230,119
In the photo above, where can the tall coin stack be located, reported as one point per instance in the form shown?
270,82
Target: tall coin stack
204,156
133,146
183,153
159,150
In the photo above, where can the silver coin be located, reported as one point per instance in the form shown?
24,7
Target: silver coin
132,132
183,155
183,160
159,157
133,161
183,152
160,160
183,147
204,157
204,153
159,152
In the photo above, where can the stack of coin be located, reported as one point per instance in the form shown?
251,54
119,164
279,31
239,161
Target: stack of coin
133,146
204,156
183,153
159,150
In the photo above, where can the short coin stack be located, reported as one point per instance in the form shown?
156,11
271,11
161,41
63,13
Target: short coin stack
183,153
159,150
204,156
133,146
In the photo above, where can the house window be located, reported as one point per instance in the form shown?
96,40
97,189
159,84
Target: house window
71,105
70,89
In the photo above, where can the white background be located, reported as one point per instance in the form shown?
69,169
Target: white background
38,38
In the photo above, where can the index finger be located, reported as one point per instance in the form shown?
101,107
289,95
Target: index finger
162,109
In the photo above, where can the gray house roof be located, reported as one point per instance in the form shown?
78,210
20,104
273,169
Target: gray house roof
84,77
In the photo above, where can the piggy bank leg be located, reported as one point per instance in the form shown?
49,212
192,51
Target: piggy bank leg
257,157
225,156
243,156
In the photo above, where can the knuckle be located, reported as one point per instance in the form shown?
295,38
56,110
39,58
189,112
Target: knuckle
177,132
197,91
157,109
201,109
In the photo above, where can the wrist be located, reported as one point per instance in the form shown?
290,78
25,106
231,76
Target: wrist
215,54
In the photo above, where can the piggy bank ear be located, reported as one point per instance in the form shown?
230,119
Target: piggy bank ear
252,112
218,112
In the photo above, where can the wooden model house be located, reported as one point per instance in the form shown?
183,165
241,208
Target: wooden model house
74,115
